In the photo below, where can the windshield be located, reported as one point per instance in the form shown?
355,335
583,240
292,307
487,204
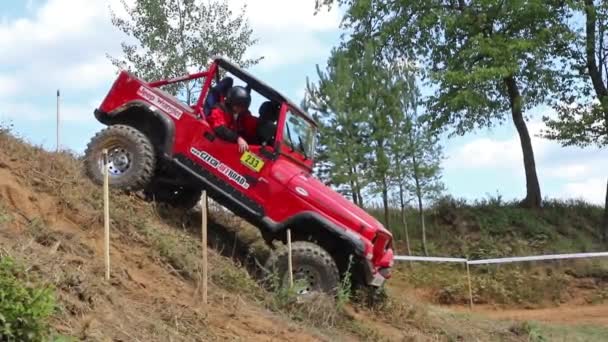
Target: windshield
299,134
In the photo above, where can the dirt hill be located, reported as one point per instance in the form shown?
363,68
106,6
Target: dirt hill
51,222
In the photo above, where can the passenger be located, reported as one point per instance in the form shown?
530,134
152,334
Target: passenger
217,94
267,126
232,120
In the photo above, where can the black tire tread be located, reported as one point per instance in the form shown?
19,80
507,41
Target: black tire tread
143,145
311,250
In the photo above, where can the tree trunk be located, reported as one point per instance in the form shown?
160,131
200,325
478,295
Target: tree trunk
420,211
605,223
594,66
354,192
360,197
403,219
385,203
533,196
426,251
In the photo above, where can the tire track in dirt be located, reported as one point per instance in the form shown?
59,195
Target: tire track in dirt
568,314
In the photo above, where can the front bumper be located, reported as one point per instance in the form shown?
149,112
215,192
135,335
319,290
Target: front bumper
377,280
376,276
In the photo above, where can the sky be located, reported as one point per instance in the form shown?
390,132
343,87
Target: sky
63,44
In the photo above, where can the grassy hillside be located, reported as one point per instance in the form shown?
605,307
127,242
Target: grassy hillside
51,226
493,228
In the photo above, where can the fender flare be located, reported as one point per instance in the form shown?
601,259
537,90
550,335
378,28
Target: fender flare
114,116
351,238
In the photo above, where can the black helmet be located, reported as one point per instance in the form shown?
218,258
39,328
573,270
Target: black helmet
238,95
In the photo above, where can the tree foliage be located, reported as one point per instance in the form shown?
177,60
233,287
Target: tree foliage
343,146
172,38
582,112
372,143
487,60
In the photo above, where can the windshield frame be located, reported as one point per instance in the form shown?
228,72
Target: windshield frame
294,151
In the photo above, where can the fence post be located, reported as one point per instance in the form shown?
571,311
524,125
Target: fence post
289,262
58,120
204,238
106,212
470,287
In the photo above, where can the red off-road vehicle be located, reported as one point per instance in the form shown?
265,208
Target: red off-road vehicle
165,147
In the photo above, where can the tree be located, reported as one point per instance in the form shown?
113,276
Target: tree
582,112
486,58
426,160
401,147
175,37
341,146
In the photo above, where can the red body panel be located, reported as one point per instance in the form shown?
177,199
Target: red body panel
283,187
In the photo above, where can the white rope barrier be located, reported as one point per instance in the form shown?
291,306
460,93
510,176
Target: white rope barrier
434,259
538,257
502,260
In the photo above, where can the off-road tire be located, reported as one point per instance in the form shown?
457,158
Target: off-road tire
309,255
177,197
141,165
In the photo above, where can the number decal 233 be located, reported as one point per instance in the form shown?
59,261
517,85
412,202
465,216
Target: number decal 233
252,161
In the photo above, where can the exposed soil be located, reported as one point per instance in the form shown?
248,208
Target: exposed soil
144,300
564,314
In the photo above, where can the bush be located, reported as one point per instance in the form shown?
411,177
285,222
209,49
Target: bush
24,309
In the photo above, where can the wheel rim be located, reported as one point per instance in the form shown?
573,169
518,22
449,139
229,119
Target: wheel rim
306,279
119,160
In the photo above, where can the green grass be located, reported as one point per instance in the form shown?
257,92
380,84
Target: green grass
5,216
494,228
540,332
25,306
511,285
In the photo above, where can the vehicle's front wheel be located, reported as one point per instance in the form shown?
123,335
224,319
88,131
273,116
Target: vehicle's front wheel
131,158
314,269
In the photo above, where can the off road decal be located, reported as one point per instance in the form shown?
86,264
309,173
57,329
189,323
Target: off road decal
159,102
221,167
252,161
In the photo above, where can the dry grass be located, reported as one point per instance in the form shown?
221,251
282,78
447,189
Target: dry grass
170,238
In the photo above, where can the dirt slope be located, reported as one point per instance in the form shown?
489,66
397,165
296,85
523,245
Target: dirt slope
145,300
564,314
51,219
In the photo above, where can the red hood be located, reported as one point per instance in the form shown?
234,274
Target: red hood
333,204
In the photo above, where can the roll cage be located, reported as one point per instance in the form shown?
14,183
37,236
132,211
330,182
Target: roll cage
288,141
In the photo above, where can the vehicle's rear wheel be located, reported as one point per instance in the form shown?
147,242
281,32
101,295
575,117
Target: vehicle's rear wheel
314,269
175,196
131,158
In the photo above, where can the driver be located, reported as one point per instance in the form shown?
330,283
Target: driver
232,120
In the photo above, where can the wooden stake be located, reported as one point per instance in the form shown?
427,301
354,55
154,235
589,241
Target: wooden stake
289,262
58,121
204,236
470,288
106,212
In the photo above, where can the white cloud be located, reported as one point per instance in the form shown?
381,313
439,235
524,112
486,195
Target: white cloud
592,190
288,31
62,44
69,112
58,44
9,86
487,152
87,74
568,171
571,171
287,16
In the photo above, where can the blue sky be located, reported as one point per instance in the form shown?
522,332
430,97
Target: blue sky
62,44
